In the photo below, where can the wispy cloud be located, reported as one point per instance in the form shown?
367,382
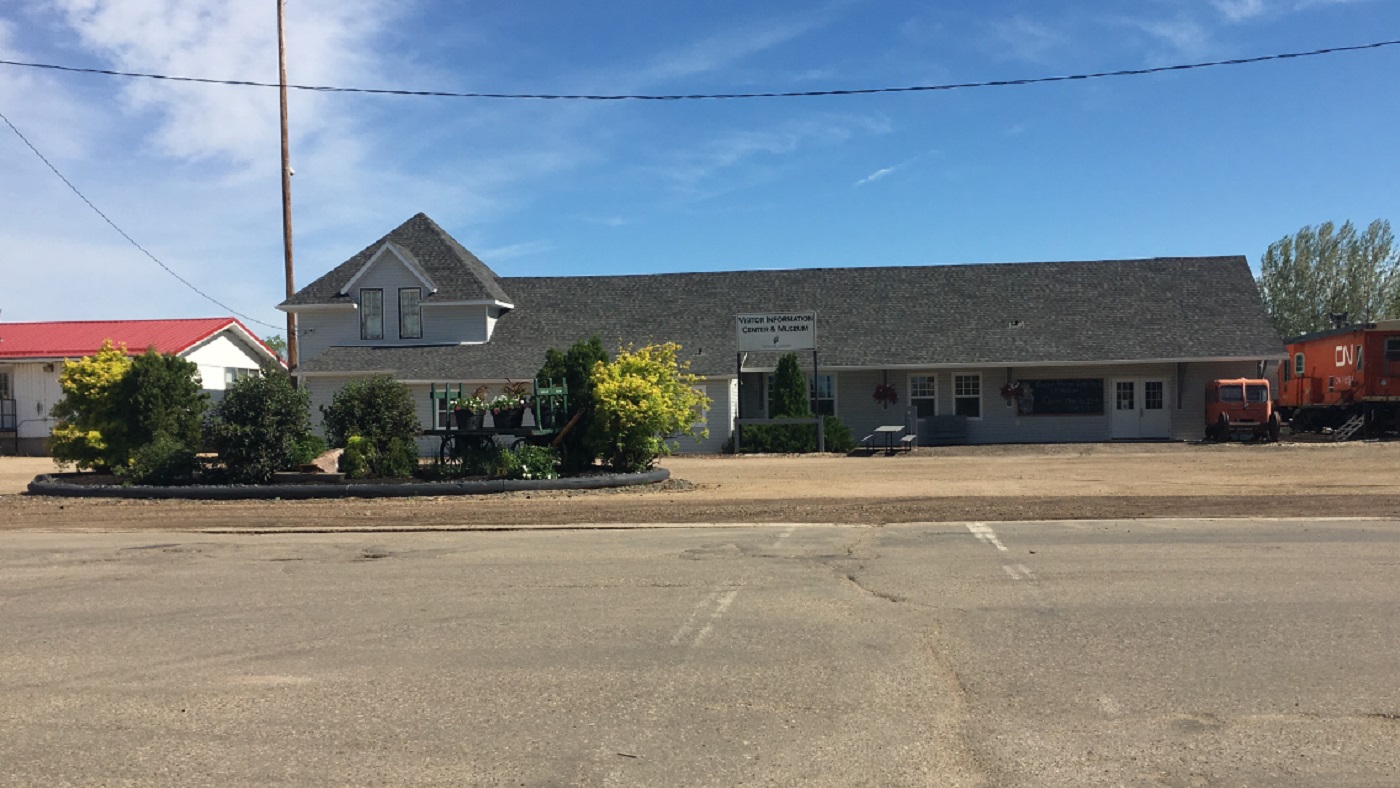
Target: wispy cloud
492,255
728,151
1023,38
1239,10
1183,36
878,174
885,172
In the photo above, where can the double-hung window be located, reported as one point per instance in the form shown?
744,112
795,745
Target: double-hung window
371,313
923,395
410,313
967,396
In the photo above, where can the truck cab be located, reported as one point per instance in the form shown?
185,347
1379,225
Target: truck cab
1240,408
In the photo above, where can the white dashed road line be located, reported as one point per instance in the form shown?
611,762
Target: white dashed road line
716,604
986,535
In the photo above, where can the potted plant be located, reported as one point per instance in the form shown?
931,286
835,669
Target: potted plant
508,408
886,395
467,411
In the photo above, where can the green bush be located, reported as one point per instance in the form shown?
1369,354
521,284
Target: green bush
112,406
308,448
779,438
362,460
263,425
380,411
580,447
161,395
528,462
839,437
164,460
355,461
643,398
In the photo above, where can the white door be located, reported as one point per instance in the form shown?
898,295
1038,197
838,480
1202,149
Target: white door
1140,409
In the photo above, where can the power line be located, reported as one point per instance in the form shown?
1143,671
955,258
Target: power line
1132,72
133,242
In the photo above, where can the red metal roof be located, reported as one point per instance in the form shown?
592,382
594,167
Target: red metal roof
72,339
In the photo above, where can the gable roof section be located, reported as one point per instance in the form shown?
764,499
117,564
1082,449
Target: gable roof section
1160,309
457,274
76,338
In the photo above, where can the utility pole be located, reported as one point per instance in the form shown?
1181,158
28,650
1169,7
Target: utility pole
286,184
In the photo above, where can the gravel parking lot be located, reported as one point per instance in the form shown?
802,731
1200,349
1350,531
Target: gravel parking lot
1075,481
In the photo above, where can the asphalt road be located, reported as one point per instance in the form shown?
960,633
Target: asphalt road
1169,653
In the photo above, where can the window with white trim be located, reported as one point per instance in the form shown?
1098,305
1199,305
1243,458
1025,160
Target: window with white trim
234,374
923,394
442,411
967,396
702,411
5,386
371,313
1298,368
410,313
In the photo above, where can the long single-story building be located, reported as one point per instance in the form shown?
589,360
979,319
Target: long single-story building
987,353
32,356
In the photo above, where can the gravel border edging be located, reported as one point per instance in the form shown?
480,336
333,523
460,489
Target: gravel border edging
48,485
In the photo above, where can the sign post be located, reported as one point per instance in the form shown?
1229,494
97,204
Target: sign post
780,332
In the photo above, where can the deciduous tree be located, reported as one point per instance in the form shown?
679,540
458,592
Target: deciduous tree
1322,271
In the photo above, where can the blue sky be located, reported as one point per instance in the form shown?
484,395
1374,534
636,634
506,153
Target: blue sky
1208,162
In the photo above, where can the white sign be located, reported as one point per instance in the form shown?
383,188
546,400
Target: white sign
781,331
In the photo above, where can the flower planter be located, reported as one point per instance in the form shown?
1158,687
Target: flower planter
509,419
466,419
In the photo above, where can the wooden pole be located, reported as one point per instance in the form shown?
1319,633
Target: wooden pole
286,185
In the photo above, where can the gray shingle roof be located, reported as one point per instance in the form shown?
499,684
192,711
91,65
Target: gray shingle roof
1070,312
457,273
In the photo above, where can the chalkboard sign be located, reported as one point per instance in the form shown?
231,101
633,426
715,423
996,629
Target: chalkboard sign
1076,397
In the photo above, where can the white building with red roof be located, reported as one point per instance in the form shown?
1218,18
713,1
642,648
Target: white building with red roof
33,354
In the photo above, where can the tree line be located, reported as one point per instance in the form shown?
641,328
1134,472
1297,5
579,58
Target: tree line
1323,275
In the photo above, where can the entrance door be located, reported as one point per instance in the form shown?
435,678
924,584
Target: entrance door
1140,409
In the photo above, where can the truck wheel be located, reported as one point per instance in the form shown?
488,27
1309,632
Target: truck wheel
1222,428
1275,427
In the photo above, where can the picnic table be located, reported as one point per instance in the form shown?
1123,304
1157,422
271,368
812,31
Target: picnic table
890,432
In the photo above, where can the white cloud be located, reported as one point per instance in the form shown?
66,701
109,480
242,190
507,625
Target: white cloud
1184,36
876,175
726,152
1239,10
493,255
1023,38
328,41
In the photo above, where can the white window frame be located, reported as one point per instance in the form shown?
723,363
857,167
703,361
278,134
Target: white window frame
1299,365
441,412
1162,398
234,374
957,397
702,414
416,312
915,397
366,315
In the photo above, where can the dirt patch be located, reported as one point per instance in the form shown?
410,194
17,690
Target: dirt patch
1080,481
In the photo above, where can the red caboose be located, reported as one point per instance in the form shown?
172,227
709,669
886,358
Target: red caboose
1343,374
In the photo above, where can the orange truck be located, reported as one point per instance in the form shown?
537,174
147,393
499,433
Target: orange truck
1240,408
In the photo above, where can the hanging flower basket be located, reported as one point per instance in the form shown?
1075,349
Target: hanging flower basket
886,395
1011,390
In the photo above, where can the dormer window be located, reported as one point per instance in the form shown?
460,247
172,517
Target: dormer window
371,313
410,314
